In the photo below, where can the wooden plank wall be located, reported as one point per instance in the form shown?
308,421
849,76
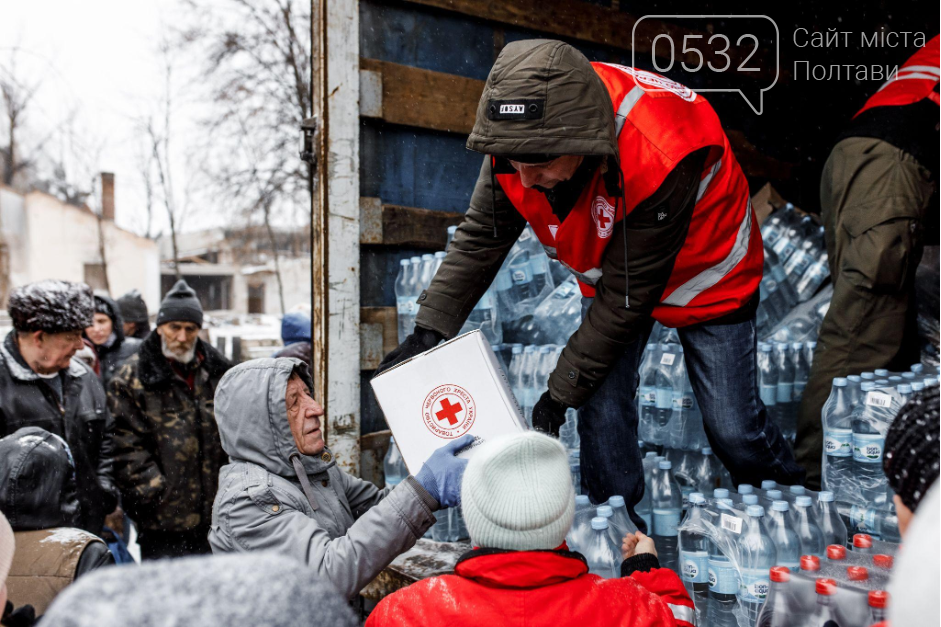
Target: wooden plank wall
423,63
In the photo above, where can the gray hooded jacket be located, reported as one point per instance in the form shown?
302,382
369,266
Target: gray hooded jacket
351,531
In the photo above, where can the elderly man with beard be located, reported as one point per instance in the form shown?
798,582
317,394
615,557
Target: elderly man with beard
167,448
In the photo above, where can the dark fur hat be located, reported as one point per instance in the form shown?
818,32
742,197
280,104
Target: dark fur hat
52,306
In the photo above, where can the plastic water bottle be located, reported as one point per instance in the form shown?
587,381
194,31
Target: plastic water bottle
427,271
723,585
620,521
521,274
394,465
786,542
869,429
829,520
647,393
580,532
813,278
644,509
507,302
576,471
776,611
878,602
880,523
837,416
768,380
406,306
825,612
805,524
667,510
787,414
601,555
694,553
756,555
451,231
663,406
801,370
706,473
484,317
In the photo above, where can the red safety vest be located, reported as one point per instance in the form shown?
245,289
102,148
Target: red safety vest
916,79
659,122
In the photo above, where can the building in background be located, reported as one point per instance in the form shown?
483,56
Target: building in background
42,237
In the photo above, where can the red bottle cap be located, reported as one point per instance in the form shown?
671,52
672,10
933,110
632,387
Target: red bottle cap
857,573
826,587
780,574
862,541
883,561
878,598
810,562
836,552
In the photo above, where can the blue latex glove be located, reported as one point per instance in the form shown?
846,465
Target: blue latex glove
441,475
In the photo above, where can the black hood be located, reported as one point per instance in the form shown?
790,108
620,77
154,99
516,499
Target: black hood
37,480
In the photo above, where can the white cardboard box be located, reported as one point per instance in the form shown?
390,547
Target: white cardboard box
455,388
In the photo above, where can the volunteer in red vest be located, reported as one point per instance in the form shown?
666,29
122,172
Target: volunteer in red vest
879,204
571,147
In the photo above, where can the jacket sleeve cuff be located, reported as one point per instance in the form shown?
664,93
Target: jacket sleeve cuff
427,500
644,562
441,313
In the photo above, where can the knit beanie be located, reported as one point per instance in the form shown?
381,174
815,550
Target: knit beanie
517,493
133,308
911,456
181,305
7,546
52,306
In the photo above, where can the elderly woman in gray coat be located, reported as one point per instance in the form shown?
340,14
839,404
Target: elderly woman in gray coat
282,490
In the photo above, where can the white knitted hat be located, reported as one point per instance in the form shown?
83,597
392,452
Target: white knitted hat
517,493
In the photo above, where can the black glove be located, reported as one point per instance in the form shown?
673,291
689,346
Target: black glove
415,344
548,415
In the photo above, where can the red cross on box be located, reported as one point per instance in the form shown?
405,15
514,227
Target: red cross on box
449,412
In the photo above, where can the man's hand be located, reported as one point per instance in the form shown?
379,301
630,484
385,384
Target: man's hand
441,475
637,543
548,415
418,342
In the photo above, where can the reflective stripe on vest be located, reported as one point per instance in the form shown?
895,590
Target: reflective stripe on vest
625,109
681,296
683,613
704,183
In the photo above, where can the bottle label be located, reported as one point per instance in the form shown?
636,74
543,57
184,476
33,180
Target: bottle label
838,442
405,305
648,396
695,565
755,585
682,402
665,522
667,359
522,275
863,519
878,399
664,398
769,395
867,447
723,577
784,392
731,523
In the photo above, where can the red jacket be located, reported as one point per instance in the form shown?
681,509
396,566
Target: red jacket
494,587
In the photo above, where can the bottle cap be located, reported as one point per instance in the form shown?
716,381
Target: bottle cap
826,587
706,451
659,458
865,386
616,501
904,388
878,598
775,495
862,541
803,501
581,500
812,345
839,382
403,262
529,348
836,552
883,561
605,510
427,257
796,346
599,522
755,511
780,574
665,464
855,378
769,484
780,506
797,490
917,368
881,372
867,376
516,349
440,254
697,498
750,499
917,386
810,562
720,493
857,573
391,440
746,488
452,229
825,497
781,345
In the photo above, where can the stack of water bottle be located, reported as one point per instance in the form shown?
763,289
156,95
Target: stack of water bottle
754,557
449,525
597,533
783,369
855,419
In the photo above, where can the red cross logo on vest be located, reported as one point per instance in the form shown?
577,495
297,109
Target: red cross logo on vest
449,411
602,212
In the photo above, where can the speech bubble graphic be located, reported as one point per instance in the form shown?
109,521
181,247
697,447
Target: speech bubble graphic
726,58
